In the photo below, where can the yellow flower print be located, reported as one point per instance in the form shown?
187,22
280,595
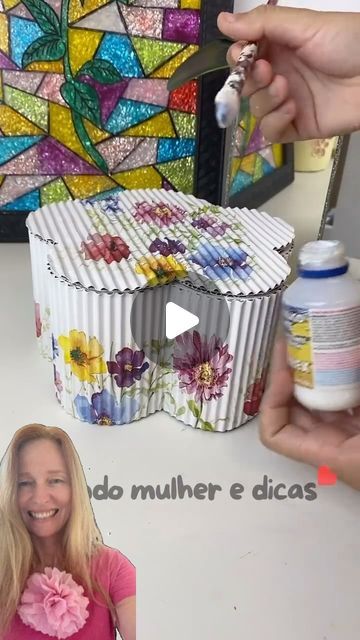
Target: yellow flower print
160,269
83,356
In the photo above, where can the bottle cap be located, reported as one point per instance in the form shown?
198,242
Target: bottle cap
322,259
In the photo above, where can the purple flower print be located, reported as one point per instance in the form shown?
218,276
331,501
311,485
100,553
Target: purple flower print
129,366
167,247
210,225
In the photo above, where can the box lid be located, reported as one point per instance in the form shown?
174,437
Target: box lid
150,237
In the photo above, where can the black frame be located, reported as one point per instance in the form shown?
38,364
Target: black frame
12,226
212,159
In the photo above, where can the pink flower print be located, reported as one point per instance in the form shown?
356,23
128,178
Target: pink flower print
38,325
162,214
110,248
53,604
201,365
57,380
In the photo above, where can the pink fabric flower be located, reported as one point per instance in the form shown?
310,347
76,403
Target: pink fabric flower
53,603
111,248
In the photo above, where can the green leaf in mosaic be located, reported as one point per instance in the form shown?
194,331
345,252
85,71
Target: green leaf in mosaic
83,99
44,49
44,15
101,70
194,408
211,57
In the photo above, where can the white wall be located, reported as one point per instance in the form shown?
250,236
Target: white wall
320,5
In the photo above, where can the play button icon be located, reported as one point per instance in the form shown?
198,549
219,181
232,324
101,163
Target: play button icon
160,316
178,320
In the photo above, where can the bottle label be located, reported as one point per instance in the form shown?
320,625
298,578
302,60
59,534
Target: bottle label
323,345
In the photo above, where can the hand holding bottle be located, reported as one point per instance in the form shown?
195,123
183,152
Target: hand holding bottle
313,437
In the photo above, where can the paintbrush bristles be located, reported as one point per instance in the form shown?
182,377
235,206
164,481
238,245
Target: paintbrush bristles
227,100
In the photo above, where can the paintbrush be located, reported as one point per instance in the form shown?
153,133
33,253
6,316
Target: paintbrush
227,100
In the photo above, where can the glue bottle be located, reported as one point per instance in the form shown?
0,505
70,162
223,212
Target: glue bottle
321,314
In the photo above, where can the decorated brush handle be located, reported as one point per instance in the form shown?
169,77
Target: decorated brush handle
227,100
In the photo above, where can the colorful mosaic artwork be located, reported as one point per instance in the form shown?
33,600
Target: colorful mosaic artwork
253,158
84,106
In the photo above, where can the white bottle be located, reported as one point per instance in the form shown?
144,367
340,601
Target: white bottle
321,313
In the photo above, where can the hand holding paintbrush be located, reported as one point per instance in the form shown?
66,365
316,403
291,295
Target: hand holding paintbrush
227,100
307,83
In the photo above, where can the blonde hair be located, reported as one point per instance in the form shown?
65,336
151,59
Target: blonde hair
81,538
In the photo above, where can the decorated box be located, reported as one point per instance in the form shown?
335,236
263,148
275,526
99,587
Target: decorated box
103,275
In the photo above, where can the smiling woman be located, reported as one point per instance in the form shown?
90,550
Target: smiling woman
57,578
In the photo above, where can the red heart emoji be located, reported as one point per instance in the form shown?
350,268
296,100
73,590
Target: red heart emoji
326,476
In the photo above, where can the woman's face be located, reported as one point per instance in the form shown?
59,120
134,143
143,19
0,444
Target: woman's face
44,491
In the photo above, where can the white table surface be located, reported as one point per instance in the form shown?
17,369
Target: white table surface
220,570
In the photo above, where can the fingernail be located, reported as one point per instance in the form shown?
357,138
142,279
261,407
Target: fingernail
229,17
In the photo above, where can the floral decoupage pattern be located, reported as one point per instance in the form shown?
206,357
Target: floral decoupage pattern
157,240
121,386
149,241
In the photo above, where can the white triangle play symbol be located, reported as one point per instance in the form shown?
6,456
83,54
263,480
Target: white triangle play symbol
178,320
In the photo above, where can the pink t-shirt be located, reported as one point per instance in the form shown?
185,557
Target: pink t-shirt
117,576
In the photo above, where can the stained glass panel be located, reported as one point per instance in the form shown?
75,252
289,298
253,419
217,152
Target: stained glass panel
252,157
84,106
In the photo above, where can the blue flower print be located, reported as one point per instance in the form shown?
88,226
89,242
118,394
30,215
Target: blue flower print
54,346
104,409
110,206
222,262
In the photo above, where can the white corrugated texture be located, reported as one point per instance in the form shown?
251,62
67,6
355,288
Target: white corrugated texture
107,319
41,286
89,301
253,238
